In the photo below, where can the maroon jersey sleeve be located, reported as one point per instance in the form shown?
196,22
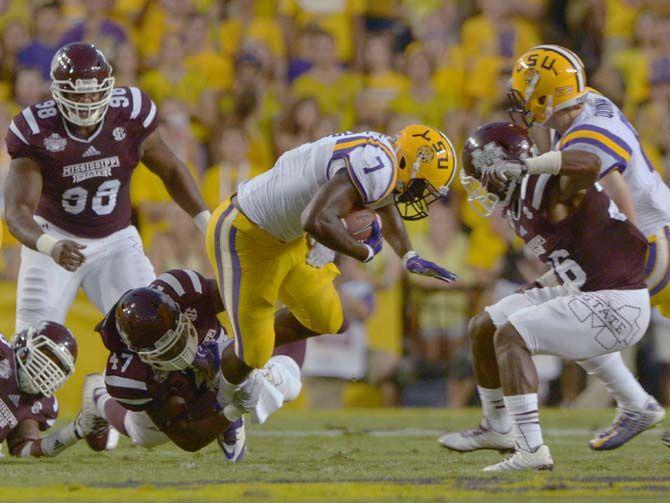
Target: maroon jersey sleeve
19,137
44,411
143,118
187,287
130,381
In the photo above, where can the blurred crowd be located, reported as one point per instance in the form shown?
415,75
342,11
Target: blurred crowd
238,82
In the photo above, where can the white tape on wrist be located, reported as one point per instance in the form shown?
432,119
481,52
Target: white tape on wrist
45,244
405,258
549,162
201,220
57,442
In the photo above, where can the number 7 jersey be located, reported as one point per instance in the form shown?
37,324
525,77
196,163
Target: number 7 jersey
276,199
85,182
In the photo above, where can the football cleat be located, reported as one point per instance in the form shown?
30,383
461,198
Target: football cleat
627,424
539,459
479,438
233,441
98,433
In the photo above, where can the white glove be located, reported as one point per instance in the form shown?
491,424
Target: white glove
505,169
320,255
256,395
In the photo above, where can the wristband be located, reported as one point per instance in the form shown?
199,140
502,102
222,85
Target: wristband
45,244
201,220
371,254
549,162
407,256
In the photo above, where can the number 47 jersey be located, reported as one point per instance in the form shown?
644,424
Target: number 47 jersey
86,182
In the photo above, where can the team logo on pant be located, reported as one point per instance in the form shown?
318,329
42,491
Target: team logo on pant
55,143
5,369
611,325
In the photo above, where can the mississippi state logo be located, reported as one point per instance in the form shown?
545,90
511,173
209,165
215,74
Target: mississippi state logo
119,133
36,408
55,143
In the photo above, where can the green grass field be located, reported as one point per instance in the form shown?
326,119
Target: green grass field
350,456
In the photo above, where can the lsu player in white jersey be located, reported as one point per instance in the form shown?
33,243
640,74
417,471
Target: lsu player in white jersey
549,92
257,240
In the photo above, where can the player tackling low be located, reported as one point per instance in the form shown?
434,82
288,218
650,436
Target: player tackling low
161,380
594,301
67,196
548,90
37,363
257,240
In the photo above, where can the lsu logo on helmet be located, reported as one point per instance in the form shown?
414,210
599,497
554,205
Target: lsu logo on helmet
546,79
426,168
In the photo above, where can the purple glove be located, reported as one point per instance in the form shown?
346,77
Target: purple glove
374,242
207,359
415,264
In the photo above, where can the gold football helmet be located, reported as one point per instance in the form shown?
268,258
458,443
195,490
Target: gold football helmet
426,167
546,79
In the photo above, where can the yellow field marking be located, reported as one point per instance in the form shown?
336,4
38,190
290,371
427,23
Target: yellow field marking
345,492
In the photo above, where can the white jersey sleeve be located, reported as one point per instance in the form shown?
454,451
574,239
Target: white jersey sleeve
602,130
370,162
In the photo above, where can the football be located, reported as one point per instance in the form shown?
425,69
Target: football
359,223
98,441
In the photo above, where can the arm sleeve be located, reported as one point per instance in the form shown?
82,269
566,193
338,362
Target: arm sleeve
613,151
126,381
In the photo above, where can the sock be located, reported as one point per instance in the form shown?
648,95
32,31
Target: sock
523,409
619,381
496,414
110,409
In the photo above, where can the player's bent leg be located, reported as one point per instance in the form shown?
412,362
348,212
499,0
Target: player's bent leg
519,382
45,290
495,428
310,294
250,265
637,411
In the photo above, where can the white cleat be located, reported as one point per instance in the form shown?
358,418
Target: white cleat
233,441
284,374
539,460
478,438
99,434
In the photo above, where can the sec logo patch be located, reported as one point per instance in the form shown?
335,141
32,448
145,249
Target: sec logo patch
119,133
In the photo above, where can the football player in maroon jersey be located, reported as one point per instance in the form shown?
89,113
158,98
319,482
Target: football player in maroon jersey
67,196
592,302
37,363
161,379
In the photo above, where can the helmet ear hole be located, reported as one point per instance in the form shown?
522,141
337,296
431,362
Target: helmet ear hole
402,163
541,100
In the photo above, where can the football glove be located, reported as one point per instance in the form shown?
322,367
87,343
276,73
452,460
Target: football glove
416,265
375,241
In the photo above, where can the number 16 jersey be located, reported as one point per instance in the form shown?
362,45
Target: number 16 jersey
85,182
276,199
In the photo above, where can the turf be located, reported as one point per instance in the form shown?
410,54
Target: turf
346,456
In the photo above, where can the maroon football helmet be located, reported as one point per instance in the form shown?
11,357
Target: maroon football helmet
81,83
150,323
45,357
490,143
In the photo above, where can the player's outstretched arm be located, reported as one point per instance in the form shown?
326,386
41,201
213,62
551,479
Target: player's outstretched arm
321,217
25,440
23,189
181,186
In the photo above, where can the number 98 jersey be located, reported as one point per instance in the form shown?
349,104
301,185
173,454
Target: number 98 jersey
86,182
